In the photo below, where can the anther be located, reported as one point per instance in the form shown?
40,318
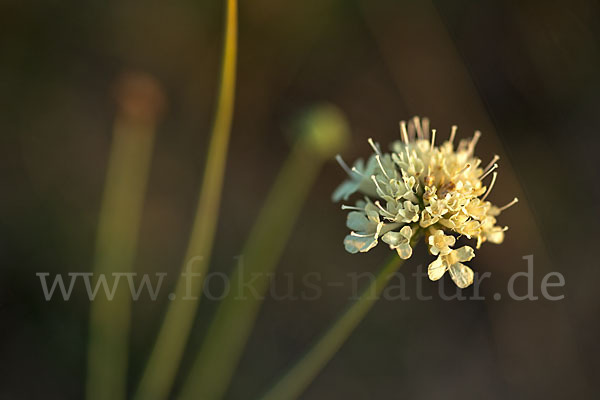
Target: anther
428,180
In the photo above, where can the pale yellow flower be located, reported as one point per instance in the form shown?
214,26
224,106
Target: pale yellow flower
439,187
440,243
453,262
400,241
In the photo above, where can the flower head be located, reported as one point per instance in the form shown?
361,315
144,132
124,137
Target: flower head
418,185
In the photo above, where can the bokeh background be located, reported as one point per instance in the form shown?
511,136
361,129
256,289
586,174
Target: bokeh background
523,72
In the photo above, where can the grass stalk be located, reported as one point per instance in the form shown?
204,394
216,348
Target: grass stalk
118,226
165,357
322,132
296,380
235,316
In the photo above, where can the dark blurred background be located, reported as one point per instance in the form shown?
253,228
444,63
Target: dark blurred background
523,72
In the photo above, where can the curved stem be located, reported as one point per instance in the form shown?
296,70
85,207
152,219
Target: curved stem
118,229
165,358
228,332
297,379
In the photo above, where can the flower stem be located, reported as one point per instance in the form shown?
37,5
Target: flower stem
228,332
297,379
164,360
140,98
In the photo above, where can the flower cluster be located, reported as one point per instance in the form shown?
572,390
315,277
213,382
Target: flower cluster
421,186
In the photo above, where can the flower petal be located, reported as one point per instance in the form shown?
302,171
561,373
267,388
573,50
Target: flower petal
436,269
404,251
461,275
465,253
406,232
357,221
394,239
345,190
354,244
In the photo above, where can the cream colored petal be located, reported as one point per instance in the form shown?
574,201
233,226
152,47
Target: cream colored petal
404,251
357,221
346,189
431,239
465,253
495,235
436,269
355,244
394,239
461,275
427,219
406,232
372,212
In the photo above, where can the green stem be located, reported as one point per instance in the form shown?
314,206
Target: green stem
323,131
297,379
235,316
164,360
118,226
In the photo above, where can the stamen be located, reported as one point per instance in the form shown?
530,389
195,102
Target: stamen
381,166
512,203
343,164
417,123
345,207
376,183
403,132
432,137
494,159
411,130
356,171
474,141
425,124
352,233
374,146
383,209
405,138
466,167
453,133
487,192
488,171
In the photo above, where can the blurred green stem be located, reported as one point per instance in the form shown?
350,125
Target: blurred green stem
118,227
164,360
222,347
297,379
